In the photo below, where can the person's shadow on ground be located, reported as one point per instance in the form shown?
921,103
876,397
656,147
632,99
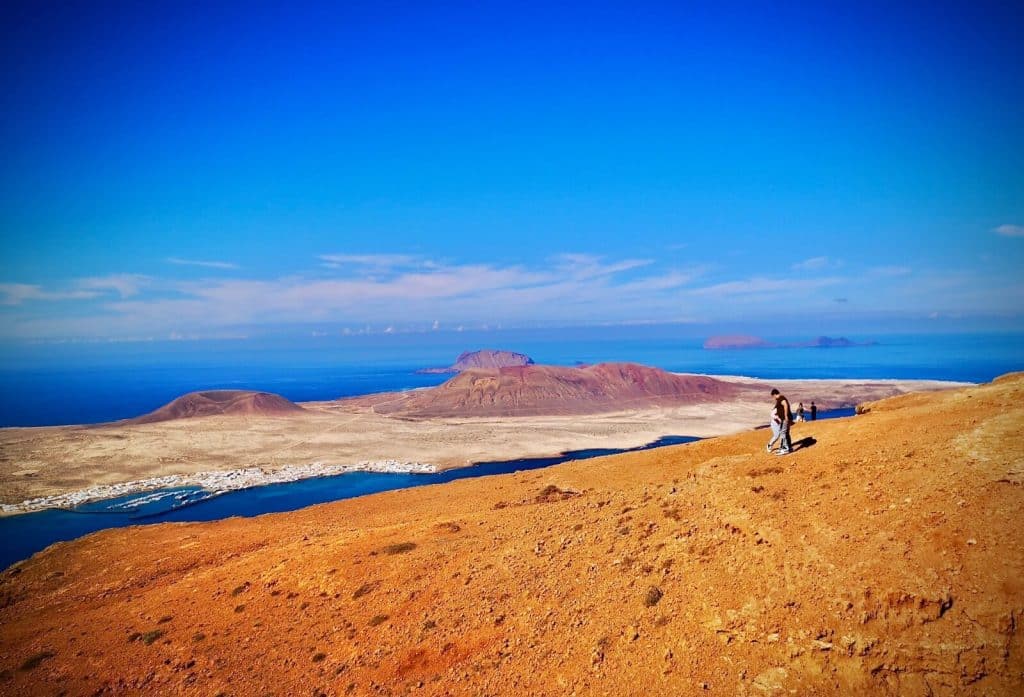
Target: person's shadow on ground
804,443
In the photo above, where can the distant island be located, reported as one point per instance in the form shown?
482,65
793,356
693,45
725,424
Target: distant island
222,440
736,342
829,571
537,390
756,342
484,358
221,403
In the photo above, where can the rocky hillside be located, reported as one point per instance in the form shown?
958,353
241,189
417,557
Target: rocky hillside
546,389
885,556
488,359
221,402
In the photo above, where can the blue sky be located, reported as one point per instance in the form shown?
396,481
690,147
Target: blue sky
182,171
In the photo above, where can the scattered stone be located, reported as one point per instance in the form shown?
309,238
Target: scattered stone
400,548
149,637
33,661
552,493
365,589
653,596
771,681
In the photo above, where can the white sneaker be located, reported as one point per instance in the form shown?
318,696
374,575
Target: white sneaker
768,449
783,452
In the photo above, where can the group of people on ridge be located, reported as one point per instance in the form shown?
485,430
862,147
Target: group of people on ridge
782,418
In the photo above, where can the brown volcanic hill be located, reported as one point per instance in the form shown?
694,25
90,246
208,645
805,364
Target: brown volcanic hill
884,557
484,358
489,358
220,402
545,389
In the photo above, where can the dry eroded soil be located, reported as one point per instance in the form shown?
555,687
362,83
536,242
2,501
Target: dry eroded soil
884,556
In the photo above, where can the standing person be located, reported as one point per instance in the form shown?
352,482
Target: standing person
814,412
776,424
800,411
782,416
780,420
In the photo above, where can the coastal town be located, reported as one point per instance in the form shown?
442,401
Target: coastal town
211,484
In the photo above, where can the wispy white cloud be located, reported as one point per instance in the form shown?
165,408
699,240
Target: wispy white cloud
814,264
124,284
205,264
767,287
668,281
18,293
409,290
376,261
1010,230
592,266
371,292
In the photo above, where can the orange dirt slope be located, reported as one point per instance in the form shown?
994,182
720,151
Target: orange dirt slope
884,557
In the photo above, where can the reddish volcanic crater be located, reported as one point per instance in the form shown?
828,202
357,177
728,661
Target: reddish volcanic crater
221,402
532,390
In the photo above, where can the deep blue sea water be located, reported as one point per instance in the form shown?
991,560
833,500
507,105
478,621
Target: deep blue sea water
89,383
101,382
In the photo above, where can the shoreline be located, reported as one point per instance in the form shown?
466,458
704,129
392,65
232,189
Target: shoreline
947,384
930,383
214,483
811,562
217,482
66,466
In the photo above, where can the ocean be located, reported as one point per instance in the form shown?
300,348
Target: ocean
92,383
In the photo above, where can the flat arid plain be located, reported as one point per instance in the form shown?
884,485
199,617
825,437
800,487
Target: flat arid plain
884,556
48,461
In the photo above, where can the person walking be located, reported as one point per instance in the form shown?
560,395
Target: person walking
800,412
814,412
782,415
